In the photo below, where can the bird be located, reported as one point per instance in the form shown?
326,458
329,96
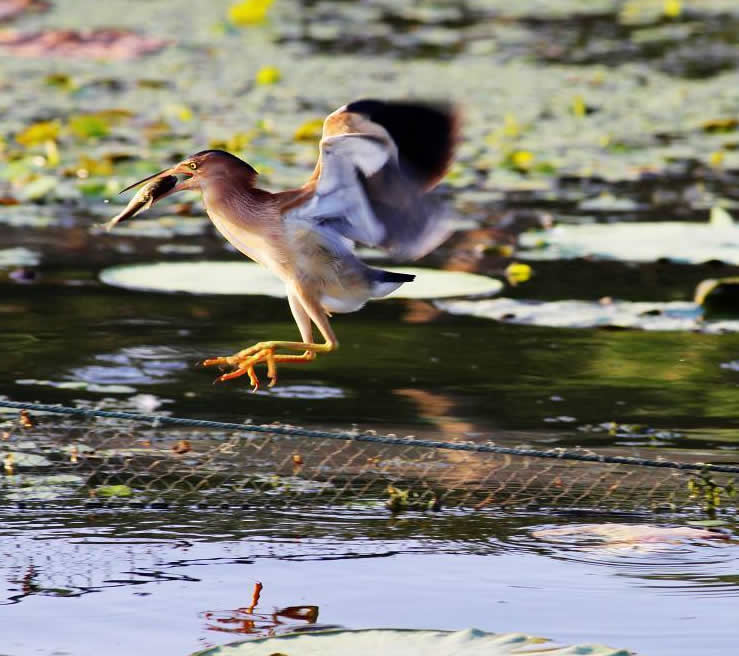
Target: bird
377,162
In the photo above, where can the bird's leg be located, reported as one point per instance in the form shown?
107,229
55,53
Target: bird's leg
304,310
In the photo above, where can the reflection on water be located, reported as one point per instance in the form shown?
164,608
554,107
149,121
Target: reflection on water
257,623
671,560
361,566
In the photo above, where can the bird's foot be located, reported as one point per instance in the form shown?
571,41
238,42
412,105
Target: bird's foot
243,362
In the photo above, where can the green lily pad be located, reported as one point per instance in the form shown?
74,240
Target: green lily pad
400,642
249,278
636,242
114,491
675,315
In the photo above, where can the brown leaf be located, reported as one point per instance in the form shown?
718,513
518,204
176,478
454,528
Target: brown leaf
95,44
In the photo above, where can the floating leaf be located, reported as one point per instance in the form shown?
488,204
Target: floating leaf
310,130
676,315
268,75
60,80
521,160
18,256
101,43
39,187
249,12
635,242
39,133
181,112
623,535
403,642
716,158
672,8
579,108
252,279
516,272
235,143
113,491
720,218
720,125
52,153
89,126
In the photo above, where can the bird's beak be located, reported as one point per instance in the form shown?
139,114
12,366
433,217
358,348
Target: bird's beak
175,170
158,186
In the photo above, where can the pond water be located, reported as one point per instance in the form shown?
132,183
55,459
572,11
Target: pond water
162,582
587,113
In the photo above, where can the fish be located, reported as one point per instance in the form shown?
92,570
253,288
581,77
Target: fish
144,199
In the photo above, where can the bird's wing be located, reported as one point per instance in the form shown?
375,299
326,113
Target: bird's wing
377,161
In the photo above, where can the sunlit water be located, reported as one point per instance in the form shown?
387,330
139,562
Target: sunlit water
160,582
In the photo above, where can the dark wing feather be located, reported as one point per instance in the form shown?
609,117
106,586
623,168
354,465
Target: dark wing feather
375,166
425,134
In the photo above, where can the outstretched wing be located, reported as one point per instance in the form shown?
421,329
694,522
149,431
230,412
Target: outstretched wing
377,161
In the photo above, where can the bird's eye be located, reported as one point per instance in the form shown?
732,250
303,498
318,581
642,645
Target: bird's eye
192,165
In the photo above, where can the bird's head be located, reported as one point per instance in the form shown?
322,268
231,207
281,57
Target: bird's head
195,172
201,168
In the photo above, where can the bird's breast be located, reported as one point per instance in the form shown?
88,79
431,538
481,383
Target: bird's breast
253,232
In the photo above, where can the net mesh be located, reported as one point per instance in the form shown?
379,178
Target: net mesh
109,460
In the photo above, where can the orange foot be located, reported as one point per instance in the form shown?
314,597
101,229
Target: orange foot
243,362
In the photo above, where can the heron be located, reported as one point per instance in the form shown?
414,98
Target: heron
378,160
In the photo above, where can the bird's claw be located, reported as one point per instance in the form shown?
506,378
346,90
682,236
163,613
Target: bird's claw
243,363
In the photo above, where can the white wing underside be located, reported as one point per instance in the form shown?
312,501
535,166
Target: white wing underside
405,226
339,198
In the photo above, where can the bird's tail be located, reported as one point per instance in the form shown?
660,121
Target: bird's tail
386,282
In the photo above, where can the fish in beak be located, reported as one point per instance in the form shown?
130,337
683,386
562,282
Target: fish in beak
159,185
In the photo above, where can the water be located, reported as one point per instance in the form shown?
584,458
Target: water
168,583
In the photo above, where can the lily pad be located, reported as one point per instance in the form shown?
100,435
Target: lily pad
675,315
636,242
397,642
19,256
41,487
249,278
626,535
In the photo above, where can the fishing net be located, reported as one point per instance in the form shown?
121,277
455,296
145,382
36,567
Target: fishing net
102,461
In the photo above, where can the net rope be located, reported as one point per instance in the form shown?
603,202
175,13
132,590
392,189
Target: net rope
100,455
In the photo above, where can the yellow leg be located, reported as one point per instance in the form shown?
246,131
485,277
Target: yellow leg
244,361
305,310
